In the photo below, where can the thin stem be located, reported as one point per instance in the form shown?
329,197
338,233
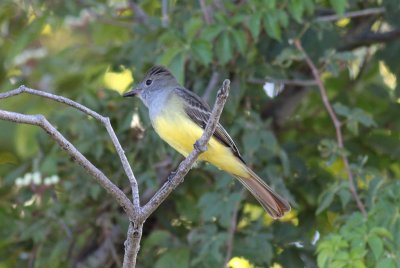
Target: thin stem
337,124
206,12
41,121
352,14
231,231
104,120
211,85
164,10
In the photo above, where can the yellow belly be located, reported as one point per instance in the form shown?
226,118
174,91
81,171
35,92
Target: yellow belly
181,133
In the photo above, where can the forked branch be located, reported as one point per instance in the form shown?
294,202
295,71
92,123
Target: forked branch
135,213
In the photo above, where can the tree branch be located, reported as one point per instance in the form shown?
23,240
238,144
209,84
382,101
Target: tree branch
206,12
211,85
136,214
104,120
41,121
199,147
132,244
352,14
164,10
141,16
369,38
232,230
337,124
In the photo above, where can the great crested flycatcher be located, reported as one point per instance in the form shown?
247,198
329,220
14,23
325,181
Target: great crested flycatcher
179,117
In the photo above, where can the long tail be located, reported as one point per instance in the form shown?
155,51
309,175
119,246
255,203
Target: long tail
275,205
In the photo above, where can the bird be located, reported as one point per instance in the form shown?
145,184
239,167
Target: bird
179,117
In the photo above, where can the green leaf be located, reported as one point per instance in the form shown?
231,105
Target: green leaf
224,48
376,245
211,206
211,32
325,201
287,56
177,258
169,55
338,5
344,196
30,32
254,25
192,27
386,263
358,264
296,8
202,50
381,231
341,109
283,18
240,39
177,67
157,238
363,117
272,27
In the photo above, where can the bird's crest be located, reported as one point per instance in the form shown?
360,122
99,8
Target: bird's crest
159,70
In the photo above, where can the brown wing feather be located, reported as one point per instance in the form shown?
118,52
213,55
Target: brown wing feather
199,112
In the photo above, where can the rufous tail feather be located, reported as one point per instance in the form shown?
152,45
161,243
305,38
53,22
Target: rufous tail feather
275,205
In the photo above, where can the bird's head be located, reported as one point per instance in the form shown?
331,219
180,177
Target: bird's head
157,78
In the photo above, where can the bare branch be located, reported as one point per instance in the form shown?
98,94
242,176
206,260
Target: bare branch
302,83
104,120
352,14
206,12
141,16
41,121
132,244
211,85
164,10
199,147
231,231
136,214
369,38
337,124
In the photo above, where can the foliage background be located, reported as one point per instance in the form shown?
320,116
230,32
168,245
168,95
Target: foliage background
53,215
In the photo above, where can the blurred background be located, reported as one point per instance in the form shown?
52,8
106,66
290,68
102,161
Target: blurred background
53,214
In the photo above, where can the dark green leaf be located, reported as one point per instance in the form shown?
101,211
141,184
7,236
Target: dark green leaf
202,50
224,48
240,40
338,5
178,257
272,27
254,25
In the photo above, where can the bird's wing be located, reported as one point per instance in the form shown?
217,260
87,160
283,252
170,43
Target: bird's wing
199,111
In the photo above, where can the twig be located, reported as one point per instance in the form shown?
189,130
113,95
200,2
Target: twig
369,38
164,10
104,120
302,83
352,14
135,213
141,16
231,231
204,9
199,147
337,124
41,121
211,85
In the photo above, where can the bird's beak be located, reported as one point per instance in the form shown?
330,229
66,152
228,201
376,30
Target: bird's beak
132,92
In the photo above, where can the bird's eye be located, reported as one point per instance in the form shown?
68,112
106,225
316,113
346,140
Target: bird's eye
148,82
